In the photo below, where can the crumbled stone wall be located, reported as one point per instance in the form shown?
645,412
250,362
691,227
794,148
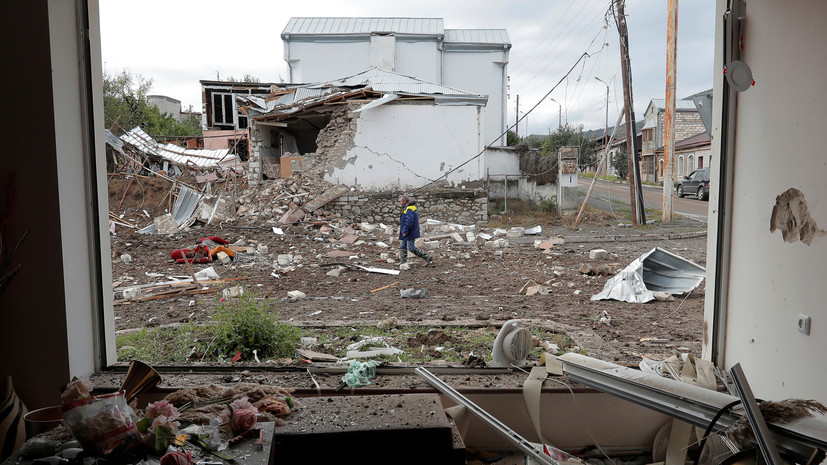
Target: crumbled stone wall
454,206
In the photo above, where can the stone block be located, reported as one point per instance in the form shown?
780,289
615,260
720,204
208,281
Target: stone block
285,259
456,237
469,236
515,232
598,254
166,224
223,258
296,294
235,291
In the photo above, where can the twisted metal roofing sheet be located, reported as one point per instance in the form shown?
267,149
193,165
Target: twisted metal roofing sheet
477,36
198,157
334,25
382,80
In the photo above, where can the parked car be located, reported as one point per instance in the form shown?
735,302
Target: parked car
697,183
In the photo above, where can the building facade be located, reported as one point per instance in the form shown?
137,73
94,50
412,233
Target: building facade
687,124
474,60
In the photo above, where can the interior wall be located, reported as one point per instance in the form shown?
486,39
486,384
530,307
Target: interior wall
778,146
411,145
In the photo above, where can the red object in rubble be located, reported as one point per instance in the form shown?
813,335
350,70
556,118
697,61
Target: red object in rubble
200,254
215,239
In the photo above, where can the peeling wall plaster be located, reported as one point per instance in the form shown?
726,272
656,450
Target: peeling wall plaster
791,216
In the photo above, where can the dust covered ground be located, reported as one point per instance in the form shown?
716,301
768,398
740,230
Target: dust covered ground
467,285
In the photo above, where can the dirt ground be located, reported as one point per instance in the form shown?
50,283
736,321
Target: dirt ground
466,285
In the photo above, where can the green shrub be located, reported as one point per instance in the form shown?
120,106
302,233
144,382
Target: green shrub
245,323
549,205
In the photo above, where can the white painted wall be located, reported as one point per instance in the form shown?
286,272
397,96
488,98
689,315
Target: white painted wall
500,162
420,59
383,51
481,73
407,146
780,127
323,61
83,324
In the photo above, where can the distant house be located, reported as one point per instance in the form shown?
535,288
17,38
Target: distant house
474,60
687,124
691,154
375,130
224,126
167,105
618,144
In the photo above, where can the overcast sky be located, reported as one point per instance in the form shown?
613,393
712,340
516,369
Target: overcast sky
177,43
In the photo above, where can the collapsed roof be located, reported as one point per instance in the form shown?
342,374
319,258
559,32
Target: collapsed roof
195,158
374,83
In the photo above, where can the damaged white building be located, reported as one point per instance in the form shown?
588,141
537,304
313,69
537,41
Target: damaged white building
375,130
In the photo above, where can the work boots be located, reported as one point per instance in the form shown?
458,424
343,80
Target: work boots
403,256
423,255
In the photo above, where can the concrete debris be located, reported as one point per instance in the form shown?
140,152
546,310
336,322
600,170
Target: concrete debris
126,258
663,296
262,249
469,236
327,196
535,231
349,239
412,293
214,209
166,224
404,267
206,273
543,245
336,272
367,227
382,245
496,244
338,254
223,258
284,259
294,215
430,245
308,341
236,291
598,254
296,295
388,323
500,232
532,288
485,236
515,232
456,237
602,269
278,231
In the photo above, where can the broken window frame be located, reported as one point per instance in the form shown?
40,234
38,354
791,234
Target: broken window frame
219,109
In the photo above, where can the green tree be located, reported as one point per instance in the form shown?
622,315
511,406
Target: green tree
246,78
125,105
570,136
620,162
511,138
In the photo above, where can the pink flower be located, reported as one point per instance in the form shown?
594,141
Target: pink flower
162,407
177,458
238,404
243,419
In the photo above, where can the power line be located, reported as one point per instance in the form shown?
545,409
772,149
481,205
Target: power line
584,55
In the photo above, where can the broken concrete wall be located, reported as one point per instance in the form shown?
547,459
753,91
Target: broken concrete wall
455,206
403,146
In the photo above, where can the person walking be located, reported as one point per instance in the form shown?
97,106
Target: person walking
409,231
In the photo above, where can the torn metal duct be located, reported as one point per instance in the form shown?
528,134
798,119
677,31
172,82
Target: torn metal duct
200,158
654,271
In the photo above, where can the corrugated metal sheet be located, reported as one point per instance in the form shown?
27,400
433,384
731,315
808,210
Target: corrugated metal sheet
199,157
113,141
332,26
679,104
377,79
382,80
477,36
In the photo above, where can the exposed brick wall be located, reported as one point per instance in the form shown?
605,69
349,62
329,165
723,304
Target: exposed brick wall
455,206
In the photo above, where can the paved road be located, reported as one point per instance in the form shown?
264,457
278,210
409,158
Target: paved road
608,192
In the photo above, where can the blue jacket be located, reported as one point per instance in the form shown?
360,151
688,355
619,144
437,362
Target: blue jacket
409,223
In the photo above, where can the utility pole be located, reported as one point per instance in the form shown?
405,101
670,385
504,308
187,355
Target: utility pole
559,113
606,128
635,194
517,123
669,124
